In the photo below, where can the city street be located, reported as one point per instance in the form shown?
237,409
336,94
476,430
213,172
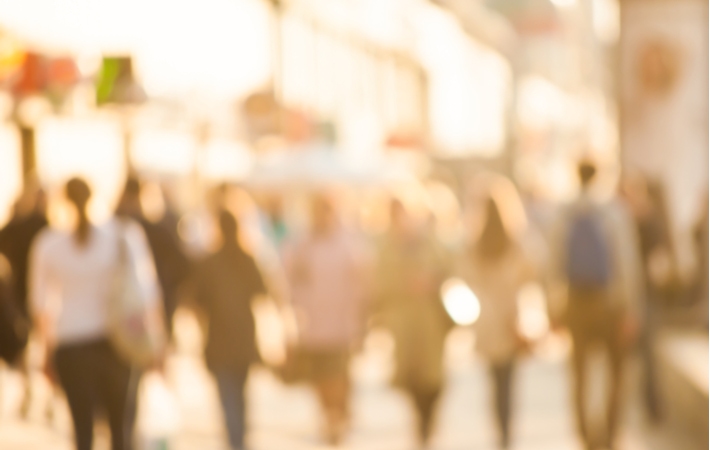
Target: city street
286,417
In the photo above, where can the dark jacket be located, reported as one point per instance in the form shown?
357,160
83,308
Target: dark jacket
225,285
171,263
15,243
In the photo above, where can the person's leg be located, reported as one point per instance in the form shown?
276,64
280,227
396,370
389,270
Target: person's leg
503,377
334,393
131,403
75,372
114,380
26,372
425,399
648,356
232,399
580,348
616,351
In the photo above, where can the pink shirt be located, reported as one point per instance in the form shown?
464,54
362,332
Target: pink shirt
326,283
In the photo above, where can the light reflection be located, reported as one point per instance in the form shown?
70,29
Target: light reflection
460,302
533,322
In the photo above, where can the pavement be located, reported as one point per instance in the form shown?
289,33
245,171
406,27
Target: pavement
181,408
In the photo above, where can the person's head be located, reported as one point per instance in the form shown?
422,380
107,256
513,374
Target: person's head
587,172
323,218
130,202
78,193
494,239
229,228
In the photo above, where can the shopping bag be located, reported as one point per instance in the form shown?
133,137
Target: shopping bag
135,329
159,416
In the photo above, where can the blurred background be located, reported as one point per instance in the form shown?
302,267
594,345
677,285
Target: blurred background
268,101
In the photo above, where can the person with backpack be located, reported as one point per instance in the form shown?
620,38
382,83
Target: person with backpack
74,288
597,265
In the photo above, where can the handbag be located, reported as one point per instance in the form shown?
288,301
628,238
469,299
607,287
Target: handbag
134,330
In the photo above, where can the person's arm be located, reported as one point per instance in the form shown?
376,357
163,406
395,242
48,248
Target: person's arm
41,282
255,277
5,239
630,265
553,278
141,261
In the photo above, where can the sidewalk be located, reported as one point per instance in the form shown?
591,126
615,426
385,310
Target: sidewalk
286,418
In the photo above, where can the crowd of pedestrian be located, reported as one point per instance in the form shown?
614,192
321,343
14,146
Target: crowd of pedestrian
100,299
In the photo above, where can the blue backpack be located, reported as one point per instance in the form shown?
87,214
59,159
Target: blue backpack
588,254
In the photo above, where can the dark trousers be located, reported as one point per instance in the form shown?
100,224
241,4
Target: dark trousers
230,384
594,324
425,399
95,380
650,370
502,375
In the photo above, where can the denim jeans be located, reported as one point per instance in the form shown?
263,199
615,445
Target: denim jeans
230,384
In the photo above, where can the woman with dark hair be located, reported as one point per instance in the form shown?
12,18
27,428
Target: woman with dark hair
226,283
72,278
496,266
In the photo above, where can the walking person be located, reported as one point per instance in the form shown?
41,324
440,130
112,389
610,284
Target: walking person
597,260
325,272
28,220
496,265
226,283
647,204
411,267
72,277
171,263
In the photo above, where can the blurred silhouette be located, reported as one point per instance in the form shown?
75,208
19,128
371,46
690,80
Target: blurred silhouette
171,264
226,283
28,219
496,266
170,261
277,230
77,270
325,272
703,270
14,326
597,259
647,203
171,216
410,269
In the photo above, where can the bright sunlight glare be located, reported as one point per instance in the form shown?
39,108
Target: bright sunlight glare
460,302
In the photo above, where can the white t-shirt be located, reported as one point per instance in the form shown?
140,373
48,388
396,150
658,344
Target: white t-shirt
72,283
